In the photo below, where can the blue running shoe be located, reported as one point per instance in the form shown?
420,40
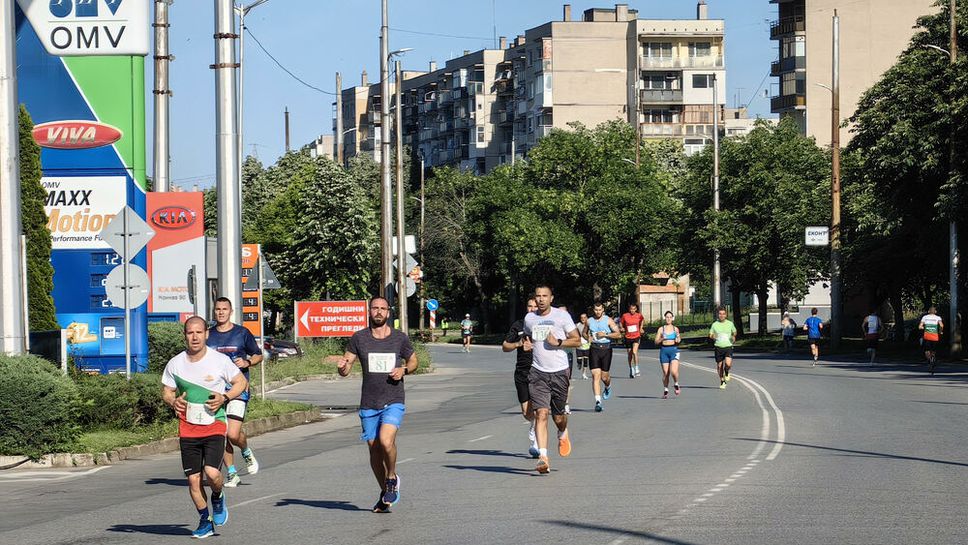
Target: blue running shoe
220,513
392,495
205,529
533,451
607,393
598,406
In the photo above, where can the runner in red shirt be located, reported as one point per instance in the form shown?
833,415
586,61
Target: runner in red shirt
632,327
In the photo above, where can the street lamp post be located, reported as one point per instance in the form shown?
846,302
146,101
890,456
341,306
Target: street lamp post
401,231
836,289
717,278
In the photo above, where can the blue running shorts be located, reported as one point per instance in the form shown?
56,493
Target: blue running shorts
372,419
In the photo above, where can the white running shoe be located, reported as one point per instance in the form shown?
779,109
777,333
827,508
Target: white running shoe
251,464
232,480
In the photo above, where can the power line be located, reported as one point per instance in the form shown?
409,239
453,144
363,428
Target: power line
405,31
284,69
758,87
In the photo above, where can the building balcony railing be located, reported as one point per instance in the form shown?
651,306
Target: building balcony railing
462,123
651,96
680,62
475,88
674,129
374,117
785,102
787,25
788,64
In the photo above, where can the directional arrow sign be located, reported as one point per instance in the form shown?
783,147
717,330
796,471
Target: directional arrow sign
137,231
138,286
411,263
432,304
330,318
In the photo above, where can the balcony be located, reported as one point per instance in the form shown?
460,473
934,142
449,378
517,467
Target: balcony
658,130
787,25
654,96
374,117
542,130
646,63
788,64
475,88
785,102
462,123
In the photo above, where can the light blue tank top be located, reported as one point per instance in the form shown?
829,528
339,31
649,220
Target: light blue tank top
596,325
669,335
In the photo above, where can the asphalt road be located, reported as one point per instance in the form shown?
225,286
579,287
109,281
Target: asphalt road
841,453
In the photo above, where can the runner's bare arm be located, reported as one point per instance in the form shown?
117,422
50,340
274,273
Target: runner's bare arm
170,396
239,385
511,347
616,333
573,340
345,364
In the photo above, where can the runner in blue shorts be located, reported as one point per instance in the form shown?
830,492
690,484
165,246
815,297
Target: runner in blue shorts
385,355
667,338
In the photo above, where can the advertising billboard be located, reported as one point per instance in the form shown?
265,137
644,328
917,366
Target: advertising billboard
330,318
178,244
251,299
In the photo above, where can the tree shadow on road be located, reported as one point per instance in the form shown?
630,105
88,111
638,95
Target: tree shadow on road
618,531
154,529
496,469
863,453
171,482
320,504
490,452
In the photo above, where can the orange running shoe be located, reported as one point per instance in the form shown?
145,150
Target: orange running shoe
543,465
564,445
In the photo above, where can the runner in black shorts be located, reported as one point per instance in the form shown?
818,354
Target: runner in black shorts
516,340
723,334
601,331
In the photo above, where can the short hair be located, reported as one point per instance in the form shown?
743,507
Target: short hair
813,310
669,313
378,298
932,309
195,318
721,308
224,300
633,304
545,286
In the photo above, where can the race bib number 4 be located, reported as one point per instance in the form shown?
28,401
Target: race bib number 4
198,413
540,332
381,362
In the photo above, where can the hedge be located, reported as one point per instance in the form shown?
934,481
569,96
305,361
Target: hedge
38,407
112,401
165,340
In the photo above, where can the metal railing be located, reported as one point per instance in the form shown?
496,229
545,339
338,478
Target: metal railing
680,62
787,25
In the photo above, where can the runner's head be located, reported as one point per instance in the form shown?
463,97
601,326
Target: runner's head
532,305
196,333
379,312
932,309
223,310
814,311
543,296
669,316
633,308
721,314
583,318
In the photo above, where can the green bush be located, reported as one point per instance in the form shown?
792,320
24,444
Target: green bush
111,401
165,341
37,407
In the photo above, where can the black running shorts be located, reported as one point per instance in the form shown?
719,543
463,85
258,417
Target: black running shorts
723,353
601,357
521,383
197,452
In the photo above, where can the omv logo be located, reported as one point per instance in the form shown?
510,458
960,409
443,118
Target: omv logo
81,8
90,27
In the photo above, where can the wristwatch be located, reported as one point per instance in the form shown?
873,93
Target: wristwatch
560,342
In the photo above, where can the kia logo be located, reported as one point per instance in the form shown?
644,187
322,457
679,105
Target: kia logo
173,217
75,134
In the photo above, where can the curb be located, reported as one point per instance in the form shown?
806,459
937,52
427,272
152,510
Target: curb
169,444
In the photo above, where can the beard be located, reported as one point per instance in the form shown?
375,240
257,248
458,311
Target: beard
378,321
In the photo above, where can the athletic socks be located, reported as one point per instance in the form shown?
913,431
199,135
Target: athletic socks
543,452
598,399
203,513
232,469
247,452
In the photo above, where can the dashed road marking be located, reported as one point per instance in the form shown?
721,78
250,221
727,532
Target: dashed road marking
480,439
247,502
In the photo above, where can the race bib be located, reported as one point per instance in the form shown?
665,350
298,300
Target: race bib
540,332
199,413
723,337
632,328
235,408
381,362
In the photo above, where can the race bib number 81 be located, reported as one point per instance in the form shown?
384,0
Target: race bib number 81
381,362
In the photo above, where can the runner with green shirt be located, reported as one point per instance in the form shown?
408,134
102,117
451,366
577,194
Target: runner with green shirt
723,334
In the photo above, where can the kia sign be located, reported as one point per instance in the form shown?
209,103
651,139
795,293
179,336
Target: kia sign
173,217
75,134
330,318
89,27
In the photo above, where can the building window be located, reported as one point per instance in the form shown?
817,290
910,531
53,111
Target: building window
653,80
480,135
793,83
793,47
702,81
655,115
700,49
657,50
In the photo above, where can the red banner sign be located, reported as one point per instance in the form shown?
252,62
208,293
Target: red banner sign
330,318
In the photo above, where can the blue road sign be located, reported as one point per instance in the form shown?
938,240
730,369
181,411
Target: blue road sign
432,304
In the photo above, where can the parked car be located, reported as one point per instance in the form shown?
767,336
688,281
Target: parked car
281,348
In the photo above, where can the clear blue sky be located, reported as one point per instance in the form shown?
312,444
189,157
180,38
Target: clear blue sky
316,38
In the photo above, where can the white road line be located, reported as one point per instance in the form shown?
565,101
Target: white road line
780,422
480,439
247,502
405,461
618,541
46,476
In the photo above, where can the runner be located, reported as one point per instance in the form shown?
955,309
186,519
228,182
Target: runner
517,340
814,328
932,328
240,346
552,332
197,384
380,350
789,327
466,330
582,351
632,326
668,339
602,330
872,332
723,334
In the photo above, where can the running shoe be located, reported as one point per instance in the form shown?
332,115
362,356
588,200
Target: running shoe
598,407
677,389
727,377
533,450
392,495
220,513
722,385
564,445
543,465
232,480
381,507
637,372
584,376
607,392
631,373
205,529
251,464
665,394
567,409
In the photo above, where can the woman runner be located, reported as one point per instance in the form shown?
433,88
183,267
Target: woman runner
668,339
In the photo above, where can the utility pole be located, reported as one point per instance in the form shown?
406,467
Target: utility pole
229,194
161,179
401,231
287,129
386,189
12,293
423,297
637,101
717,280
836,291
953,254
339,120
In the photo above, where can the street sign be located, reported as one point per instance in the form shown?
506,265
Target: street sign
137,231
411,287
817,236
269,280
138,286
89,27
330,318
409,244
411,263
432,305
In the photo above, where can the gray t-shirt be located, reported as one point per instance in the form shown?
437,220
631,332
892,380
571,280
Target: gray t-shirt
557,322
378,357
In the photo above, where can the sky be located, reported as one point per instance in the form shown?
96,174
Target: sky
314,39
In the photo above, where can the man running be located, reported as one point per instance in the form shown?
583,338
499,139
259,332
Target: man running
668,339
240,346
602,330
872,333
632,325
582,352
516,340
197,384
381,349
552,331
466,331
723,334
932,327
814,328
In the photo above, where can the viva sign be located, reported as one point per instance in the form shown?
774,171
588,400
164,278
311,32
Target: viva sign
90,27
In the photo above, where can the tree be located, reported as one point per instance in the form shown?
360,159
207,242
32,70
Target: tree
40,273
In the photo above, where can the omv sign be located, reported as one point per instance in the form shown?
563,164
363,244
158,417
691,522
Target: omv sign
89,27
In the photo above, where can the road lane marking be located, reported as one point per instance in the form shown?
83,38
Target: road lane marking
246,502
46,476
780,422
405,461
480,439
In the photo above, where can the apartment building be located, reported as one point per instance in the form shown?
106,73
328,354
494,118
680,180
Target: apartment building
488,107
873,33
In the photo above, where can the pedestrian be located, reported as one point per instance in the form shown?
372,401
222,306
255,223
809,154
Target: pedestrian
582,352
814,328
517,341
789,327
240,346
668,339
385,356
632,326
602,330
552,331
723,334
198,383
466,331
871,327
931,327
